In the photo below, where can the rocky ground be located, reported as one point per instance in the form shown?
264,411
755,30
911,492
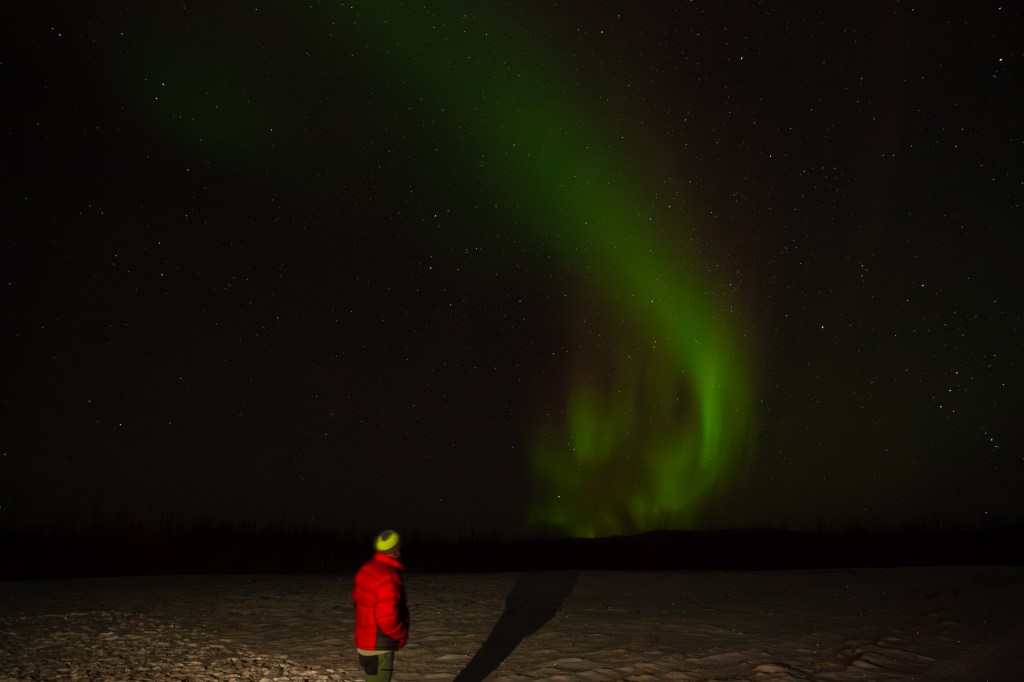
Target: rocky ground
107,645
944,624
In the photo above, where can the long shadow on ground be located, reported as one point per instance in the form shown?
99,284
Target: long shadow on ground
533,601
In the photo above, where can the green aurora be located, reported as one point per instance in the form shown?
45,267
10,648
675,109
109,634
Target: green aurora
658,412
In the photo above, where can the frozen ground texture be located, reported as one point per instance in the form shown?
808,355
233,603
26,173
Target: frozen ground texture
950,623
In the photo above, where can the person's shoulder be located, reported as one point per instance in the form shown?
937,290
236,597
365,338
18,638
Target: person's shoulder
370,568
377,567
389,570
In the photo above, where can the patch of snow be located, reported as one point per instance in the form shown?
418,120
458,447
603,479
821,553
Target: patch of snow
945,623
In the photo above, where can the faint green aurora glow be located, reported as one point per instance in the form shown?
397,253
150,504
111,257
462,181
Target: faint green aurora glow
658,410
657,417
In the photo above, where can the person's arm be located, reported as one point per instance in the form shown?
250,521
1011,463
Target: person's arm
388,612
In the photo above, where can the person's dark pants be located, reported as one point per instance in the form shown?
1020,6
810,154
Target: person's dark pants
378,668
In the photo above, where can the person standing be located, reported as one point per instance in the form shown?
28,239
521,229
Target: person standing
382,617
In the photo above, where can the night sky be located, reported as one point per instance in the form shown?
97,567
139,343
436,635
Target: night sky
580,267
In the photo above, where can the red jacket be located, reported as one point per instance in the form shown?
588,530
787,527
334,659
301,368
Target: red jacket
382,617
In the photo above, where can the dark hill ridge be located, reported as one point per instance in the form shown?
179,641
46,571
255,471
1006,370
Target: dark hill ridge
222,550
750,549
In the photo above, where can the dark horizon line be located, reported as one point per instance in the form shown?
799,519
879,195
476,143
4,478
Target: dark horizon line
171,523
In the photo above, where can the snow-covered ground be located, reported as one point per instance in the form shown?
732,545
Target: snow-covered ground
946,623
